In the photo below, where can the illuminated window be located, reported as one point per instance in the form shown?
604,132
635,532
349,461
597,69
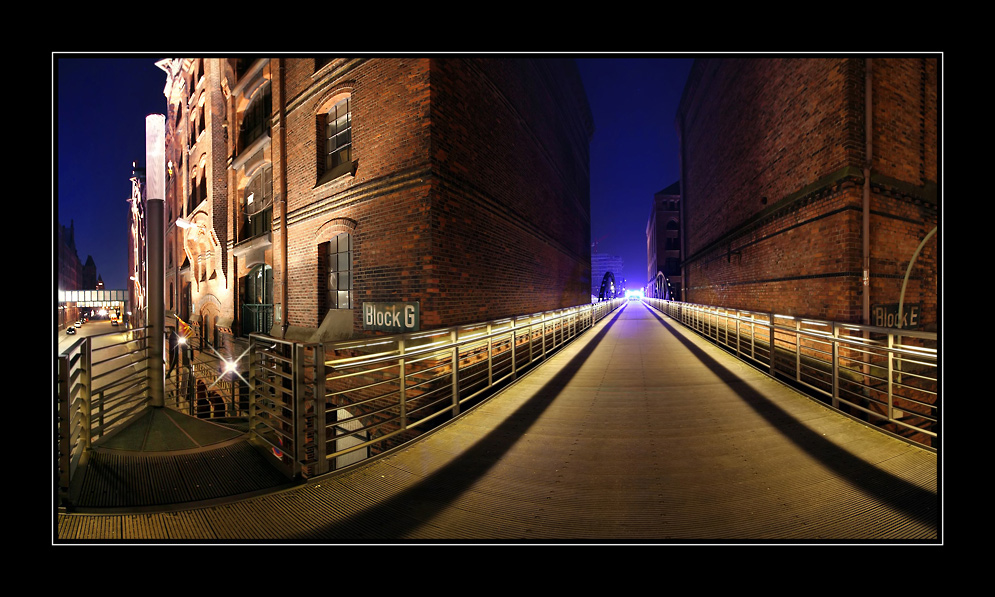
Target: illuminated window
257,300
335,126
336,267
257,204
255,119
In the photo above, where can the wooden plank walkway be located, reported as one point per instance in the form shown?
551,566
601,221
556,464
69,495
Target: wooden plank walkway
637,431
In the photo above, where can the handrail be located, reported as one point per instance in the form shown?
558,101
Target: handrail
884,377
96,393
337,404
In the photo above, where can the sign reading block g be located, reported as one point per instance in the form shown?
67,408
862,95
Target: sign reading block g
395,318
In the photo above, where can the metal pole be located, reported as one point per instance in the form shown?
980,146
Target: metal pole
401,383
454,338
155,197
908,272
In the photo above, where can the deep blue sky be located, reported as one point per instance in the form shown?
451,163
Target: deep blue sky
100,104
99,130
634,151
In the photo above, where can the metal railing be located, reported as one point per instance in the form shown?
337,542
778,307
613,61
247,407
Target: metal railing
883,376
319,408
203,383
102,382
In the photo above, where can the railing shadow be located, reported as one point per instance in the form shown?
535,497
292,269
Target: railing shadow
886,487
436,491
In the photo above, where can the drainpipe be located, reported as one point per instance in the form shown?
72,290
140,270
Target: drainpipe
868,130
284,231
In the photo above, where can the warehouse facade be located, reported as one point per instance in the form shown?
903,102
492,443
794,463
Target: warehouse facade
809,187
307,196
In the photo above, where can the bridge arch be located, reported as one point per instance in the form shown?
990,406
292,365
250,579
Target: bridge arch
607,287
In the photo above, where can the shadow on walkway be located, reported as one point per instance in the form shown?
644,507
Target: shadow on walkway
899,493
437,490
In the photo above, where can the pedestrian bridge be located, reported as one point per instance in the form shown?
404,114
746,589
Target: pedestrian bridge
640,429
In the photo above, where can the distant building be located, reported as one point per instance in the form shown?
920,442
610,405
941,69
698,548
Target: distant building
70,273
774,190
663,245
303,193
70,276
89,274
601,264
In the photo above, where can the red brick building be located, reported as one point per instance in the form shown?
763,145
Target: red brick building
457,185
775,190
663,245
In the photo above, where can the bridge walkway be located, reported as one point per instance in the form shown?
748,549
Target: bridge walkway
639,430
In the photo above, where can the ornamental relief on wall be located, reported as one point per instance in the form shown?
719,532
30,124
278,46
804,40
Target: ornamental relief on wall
203,249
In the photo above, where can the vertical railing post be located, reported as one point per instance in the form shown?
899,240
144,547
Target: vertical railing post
401,374
753,337
530,333
255,356
738,315
63,427
454,338
542,336
299,431
514,342
192,387
86,372
320,428
490,362
798,350
891,375
770,328
836,366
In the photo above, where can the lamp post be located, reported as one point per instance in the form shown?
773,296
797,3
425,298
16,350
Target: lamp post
155,150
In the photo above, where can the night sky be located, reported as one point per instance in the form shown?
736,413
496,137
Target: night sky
100,103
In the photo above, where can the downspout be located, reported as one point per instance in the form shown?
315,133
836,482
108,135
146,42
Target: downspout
284,275
868,130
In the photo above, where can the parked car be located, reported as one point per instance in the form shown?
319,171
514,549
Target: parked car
71,330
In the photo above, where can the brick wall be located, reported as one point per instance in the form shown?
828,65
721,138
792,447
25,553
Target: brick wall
772,159
511,216
469,194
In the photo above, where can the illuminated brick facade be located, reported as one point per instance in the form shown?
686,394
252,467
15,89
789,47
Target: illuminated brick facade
773,154
457,184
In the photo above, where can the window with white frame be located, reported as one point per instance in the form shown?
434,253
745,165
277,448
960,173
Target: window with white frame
335,158
337,272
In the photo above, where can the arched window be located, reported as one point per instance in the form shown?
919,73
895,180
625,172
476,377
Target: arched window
257,300
337,272
255,119
335,140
